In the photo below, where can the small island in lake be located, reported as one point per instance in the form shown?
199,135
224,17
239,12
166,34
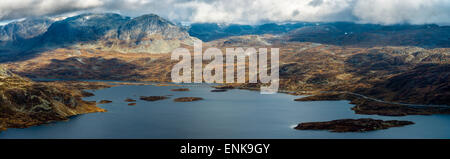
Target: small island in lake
153,98
130,100
105,102
180,90
218,90
352,125
187,99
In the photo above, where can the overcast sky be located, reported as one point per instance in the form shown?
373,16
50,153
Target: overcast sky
244,11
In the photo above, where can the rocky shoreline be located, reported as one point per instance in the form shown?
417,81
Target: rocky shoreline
362,106
26,103
372,107
352,125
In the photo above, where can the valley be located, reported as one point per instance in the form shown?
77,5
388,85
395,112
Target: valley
392,74
382,70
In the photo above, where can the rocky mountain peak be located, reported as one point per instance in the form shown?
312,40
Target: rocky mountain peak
148,33
152,18
146,26
83,28
90,19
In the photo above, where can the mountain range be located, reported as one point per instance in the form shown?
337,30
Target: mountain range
152,34
106,31
334,33
398,63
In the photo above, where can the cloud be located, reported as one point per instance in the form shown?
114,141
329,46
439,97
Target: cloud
403,11
14,9
245,11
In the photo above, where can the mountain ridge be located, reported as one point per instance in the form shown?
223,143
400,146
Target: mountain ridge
107,31
334,33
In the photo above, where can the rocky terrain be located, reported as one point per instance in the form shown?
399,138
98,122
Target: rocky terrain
410,75
368,106
25,103
397,74
352,125
93,64
400,70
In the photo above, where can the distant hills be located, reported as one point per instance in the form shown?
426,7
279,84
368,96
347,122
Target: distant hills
153,34
213,31
337,33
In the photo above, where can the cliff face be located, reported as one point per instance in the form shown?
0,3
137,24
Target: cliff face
24,103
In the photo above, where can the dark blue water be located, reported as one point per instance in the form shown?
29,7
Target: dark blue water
232,114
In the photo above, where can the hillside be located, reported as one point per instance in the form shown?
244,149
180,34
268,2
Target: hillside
401,74
25,103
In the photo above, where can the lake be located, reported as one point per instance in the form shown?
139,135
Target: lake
234,114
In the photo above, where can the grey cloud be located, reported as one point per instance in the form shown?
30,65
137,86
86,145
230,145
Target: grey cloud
14,9
295,13
315,3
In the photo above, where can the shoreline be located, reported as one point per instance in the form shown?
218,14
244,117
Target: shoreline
58,110
366,102
366,106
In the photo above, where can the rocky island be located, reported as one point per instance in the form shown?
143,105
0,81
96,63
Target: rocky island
187,99
153,98
105,102
130,100
370,106
352,125
219,90
180,90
